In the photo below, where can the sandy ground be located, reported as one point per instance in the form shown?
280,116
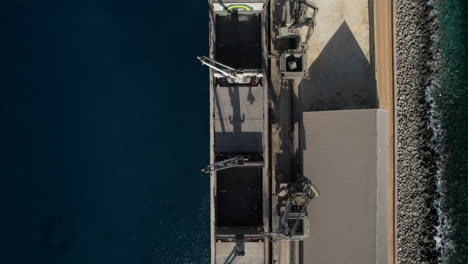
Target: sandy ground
383,10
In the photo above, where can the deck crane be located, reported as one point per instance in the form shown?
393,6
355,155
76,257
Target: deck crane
303,190
237,161
226,75
299,193
219,67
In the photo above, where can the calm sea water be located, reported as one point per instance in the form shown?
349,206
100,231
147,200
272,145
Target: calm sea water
449,93
104,129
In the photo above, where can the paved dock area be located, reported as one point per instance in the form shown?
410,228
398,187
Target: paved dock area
280,95
345,155
341,58
350,67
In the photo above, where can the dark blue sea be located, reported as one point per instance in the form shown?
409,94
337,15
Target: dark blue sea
104,130
448,95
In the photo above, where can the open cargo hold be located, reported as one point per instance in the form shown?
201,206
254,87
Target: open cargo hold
238,40
239,198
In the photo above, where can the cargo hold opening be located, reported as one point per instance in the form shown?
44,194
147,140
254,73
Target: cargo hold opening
239,198
238,40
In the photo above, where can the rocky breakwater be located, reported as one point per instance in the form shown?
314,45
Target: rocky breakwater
416,168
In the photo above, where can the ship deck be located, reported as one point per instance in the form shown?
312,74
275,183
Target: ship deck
238,118
235,1
240,197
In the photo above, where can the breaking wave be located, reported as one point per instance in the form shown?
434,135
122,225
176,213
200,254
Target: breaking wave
444,244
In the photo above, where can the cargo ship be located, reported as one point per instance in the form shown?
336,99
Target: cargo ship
243,223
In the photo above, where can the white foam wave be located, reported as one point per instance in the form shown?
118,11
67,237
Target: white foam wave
444,245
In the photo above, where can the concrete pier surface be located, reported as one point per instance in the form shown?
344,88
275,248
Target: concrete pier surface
341,59
351,67
350,64
345,155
